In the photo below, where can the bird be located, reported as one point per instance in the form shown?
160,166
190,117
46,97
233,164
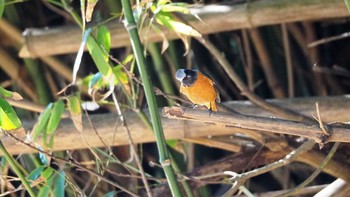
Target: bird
199,88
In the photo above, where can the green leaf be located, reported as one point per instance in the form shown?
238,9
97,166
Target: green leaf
46,189
96,82
179,7
42,121
36,173
98,55
74,108
110,194
179,27
347,3
2,7
50,144
8,117
55,118
47,172
120,74
162,2
104,38
59,184
128,59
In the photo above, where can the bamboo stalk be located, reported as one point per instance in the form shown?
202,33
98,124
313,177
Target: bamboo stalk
63,40
67,138
164,157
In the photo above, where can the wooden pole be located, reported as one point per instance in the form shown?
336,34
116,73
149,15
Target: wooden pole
67,137
215,18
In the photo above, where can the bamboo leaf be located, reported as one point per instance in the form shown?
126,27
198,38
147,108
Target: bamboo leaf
36,173
74,108
128,59
179,27
59,184
120,75
2,7
347,3
110,194
42,121
46,189
90,9
8,94
50,144
98,55
165,42
55,118
162,2
47,172
104,39
8,117
176,7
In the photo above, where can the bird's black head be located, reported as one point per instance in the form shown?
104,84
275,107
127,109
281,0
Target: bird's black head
187,77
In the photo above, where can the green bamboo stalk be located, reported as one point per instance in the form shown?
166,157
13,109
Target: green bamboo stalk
39,81
174,54
151,100
14,165
160,68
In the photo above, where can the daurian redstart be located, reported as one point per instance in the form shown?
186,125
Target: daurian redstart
198,88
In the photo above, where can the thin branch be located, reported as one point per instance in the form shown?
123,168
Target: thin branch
297,189
72,162
306,146
132,145
266,64
305,191
328,39
288,57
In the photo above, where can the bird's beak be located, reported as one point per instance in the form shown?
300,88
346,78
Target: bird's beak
180,74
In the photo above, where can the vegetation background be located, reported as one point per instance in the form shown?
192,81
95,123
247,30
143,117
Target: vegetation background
115,84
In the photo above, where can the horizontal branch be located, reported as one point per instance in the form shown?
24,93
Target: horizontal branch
340,133
67,137
215,18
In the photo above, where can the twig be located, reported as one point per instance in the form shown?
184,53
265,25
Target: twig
73,163
266,64
305,191
314,174
326,130
132,145
288,57
248,60
314,57
241,178
329,39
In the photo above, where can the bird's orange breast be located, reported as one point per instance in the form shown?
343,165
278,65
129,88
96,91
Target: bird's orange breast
202,92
